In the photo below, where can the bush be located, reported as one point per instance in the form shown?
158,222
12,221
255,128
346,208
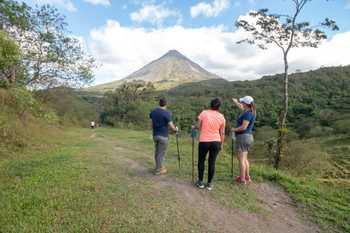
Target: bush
22,119
9,51
305,157
304,126
23,101
319,131
327,116
342,126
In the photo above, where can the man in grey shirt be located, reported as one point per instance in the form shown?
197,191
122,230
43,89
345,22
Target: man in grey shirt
161,122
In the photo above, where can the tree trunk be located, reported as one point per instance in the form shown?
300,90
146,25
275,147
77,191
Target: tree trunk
12,76
282,126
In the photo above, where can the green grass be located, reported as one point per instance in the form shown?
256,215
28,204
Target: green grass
79,183
78,186
327,204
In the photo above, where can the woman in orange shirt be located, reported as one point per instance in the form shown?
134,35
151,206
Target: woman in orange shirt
211,139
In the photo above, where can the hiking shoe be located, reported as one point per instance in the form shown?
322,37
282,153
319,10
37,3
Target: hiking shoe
163,171
200,185
210,186
157,172
160,171
239,180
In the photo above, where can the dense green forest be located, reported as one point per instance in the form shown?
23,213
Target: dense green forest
320,101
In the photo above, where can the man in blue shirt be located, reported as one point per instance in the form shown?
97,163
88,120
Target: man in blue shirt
161,122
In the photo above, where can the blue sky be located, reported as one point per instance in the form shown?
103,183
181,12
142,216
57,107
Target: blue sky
100,22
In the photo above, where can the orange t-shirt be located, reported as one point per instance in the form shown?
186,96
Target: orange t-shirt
212,126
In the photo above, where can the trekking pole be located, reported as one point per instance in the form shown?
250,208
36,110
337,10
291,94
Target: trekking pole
232,154
178,150
193,136
233,139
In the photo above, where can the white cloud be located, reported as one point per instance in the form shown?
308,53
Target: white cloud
123,50
209,9
66,4
99,2
155,14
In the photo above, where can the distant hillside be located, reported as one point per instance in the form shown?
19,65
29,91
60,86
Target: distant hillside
72,107
170,70
319,95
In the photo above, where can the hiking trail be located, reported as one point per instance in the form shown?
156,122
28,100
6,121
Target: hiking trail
280,212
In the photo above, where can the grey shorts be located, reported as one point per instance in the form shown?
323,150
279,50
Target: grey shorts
244,142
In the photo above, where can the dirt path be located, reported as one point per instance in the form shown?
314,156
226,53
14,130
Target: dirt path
281,215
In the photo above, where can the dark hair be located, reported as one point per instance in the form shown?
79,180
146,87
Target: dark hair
162,102
215,104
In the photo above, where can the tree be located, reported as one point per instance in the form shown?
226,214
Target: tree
285,32
13,14
52,58
14,17
9,57
129,103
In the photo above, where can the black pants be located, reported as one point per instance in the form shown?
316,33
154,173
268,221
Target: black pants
203,148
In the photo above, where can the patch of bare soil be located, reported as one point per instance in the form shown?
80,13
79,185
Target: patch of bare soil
281,217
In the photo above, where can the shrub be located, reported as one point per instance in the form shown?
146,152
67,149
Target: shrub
319,131
342,126
305,157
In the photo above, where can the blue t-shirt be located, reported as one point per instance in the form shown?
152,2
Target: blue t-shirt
160,120
246,116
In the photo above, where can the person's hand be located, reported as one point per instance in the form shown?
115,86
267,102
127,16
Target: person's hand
235,100
176,130
233,130
222,146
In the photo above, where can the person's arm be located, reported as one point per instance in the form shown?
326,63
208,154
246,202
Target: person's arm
197,125
222,135
241,128
237,103
199,122
171,124
173,127
150,117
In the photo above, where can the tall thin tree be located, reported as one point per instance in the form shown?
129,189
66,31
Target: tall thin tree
286,32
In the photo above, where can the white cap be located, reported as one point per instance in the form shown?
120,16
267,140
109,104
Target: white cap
246,100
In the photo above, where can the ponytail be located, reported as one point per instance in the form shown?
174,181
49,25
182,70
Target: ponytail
253,108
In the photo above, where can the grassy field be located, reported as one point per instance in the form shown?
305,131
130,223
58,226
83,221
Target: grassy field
100,181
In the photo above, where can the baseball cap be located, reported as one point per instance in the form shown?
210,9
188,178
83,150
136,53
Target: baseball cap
246,100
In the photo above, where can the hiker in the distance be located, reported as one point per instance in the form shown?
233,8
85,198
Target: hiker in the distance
211,139
244,135
161,122
92,124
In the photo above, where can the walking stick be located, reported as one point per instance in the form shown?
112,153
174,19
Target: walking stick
233,139
232,154
178,151
193,136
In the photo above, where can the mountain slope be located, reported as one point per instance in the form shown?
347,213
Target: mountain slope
170,70
318,97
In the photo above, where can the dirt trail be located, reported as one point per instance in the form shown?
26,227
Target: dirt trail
282,214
